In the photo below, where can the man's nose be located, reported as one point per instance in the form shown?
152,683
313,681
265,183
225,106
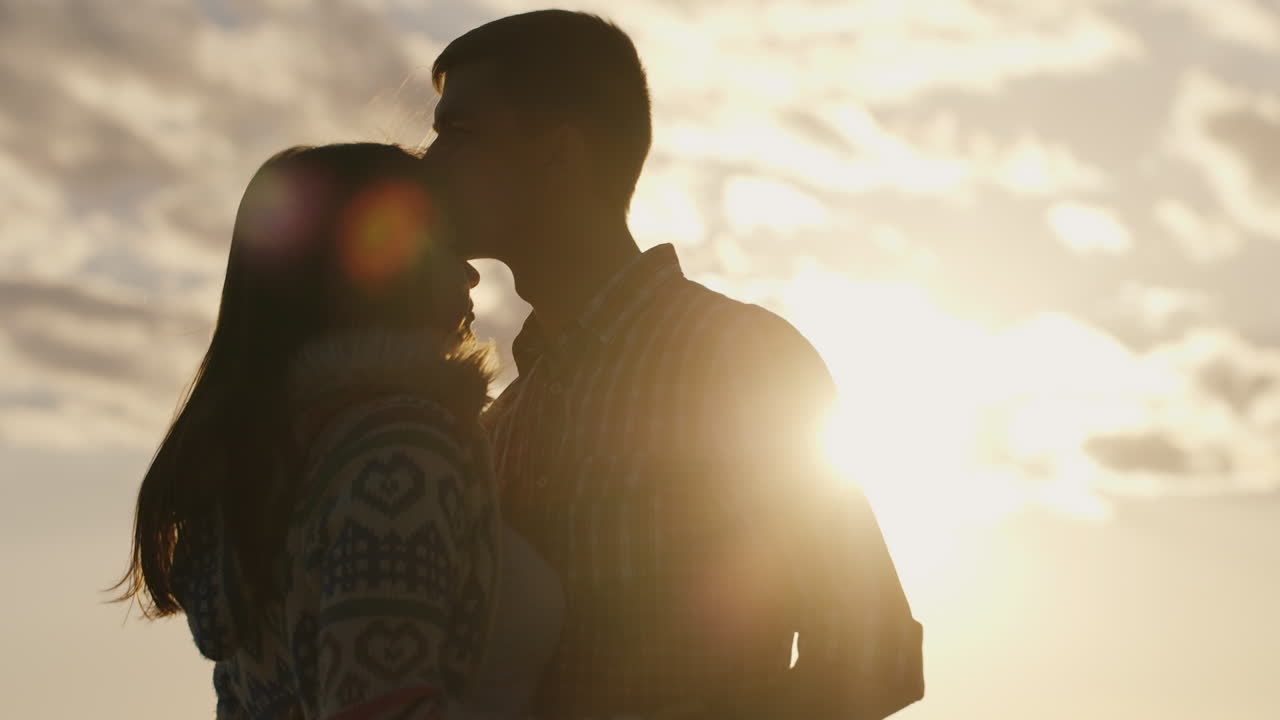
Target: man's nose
473,276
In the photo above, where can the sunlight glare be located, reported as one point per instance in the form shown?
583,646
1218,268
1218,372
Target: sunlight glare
929,403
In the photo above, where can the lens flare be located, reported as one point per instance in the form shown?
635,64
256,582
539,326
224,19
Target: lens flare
278,214
384,232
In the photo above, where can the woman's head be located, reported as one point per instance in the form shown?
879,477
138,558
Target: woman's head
340,237
327,240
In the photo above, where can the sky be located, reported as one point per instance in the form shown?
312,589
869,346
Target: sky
1034,242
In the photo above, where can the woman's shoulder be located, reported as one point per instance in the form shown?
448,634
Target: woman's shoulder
364,402
400,464
413,432
356,380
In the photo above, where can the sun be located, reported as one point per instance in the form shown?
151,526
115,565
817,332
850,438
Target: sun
949,426
914,388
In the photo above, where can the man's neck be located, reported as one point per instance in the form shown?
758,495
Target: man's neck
559,283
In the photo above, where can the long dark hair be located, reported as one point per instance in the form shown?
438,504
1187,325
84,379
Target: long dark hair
326,238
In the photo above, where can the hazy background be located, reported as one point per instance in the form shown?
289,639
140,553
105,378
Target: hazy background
1035,240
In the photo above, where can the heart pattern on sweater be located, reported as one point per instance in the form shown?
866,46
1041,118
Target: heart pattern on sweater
392,649
391,485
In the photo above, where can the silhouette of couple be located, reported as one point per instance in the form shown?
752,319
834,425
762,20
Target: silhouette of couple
636,528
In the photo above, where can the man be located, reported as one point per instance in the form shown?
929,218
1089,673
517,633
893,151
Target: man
659,444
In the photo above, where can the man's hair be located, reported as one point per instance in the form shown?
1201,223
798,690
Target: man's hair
573,67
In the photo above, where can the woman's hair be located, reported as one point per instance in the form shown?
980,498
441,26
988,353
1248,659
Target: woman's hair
326,239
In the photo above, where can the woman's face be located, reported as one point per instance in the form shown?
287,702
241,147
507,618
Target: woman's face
452,281
398,246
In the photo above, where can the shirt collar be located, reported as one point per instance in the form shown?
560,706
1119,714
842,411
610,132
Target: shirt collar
608,310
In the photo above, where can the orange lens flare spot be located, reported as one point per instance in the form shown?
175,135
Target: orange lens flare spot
384,232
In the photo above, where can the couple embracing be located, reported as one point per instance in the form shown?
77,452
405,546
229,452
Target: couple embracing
637,527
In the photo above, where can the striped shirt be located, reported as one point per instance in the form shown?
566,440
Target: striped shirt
661,455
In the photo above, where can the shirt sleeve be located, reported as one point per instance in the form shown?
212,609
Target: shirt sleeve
813,536
403,546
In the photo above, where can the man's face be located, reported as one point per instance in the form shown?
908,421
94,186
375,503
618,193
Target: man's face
483,162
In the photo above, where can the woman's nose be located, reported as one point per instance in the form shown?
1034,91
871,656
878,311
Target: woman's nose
473,275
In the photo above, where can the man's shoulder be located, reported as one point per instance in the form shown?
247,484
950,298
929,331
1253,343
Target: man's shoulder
728,340
737,323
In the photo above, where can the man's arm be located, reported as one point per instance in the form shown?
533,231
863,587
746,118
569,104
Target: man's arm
859,647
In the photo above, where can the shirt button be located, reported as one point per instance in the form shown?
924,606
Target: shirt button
556,388
541,481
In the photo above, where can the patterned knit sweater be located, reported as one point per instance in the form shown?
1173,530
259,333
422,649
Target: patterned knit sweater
390,559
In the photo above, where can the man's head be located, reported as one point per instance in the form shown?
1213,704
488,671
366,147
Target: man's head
540,115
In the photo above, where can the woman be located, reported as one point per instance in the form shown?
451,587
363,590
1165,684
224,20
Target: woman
322,508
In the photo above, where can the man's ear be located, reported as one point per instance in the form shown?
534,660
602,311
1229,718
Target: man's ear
567,151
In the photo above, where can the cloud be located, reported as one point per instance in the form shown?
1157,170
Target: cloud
1204,240
1198,414
1240,387
877,52
125,142
106,369
1246,24
1058,408
752,202
128,106
1089,229
667,206
1062,405
1032,167
830,151
1148,451
800,92
1232,136
841,132
1210,431
1237,374
1162,313
867,157
500,314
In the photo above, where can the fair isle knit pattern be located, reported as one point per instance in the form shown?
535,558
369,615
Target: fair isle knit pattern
390,560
